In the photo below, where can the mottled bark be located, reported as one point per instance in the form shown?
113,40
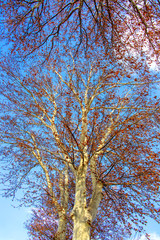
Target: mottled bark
81,227
81,216
62,225
61,232
95,200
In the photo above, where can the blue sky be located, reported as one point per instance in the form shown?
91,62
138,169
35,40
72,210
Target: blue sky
12,220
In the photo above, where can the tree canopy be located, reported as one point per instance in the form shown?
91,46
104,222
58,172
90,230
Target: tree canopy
86,136
80,132
122,27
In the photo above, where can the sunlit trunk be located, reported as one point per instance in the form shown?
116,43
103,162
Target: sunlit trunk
81,216
61,231
81,229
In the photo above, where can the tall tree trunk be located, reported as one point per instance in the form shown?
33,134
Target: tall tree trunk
81,216
62,226
81,229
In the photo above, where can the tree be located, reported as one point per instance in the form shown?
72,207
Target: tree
104,26
75,123
44,224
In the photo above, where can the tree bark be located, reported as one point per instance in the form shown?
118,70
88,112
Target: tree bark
81,216
61,231
81,229
62,225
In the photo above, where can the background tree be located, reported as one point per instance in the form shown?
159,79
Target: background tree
44,222
90,123
126,27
